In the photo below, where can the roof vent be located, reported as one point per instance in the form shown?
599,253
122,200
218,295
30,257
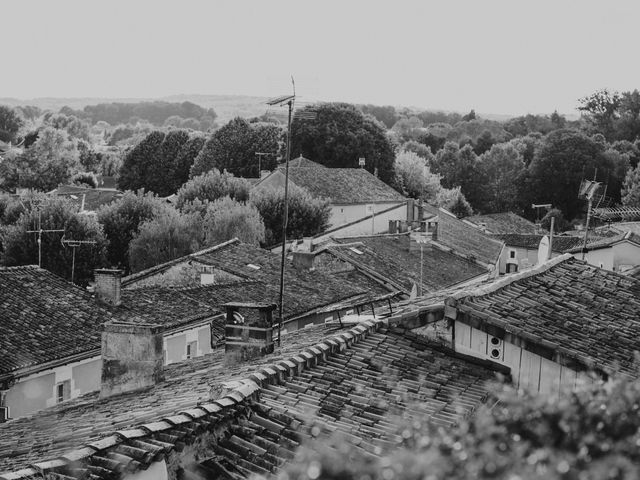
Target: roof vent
355,250
254,267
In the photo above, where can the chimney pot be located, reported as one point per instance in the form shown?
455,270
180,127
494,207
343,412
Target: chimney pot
108,285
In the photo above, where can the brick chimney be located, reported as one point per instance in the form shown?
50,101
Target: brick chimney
248,331
108,282
132,357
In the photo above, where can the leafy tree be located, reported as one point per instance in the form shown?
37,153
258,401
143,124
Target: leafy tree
588,434
419,149
454,200
10,123
156,163
408,128
558,121
469,116
167,236
484,142
631,188
414,178
600,110
48,162
234,146
85,179
628,125
121,220
75,127
226,219
632,150
337,135
384,114
21,248
211,186
559,224
460,167
504,170
564,158
307,216
186,158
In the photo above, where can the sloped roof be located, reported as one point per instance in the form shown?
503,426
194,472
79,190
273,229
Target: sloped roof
392,257
501,223
606,242
340,185
45,318
521,240
87,199
354,382
467,240
568,306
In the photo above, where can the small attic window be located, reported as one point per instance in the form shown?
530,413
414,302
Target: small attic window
254,267
355,250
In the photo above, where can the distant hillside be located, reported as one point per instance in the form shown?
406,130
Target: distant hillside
226,106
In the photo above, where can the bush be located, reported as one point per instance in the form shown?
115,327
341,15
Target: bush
226,219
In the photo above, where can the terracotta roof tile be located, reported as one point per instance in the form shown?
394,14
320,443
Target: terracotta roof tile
503,223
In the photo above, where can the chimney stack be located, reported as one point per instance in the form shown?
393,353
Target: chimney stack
108,284
248,331
132,357
303,260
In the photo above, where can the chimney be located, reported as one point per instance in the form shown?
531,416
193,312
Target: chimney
248,331
303,260
132,357
108,283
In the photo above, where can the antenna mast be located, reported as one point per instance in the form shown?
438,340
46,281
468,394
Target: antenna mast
40,231
280,101
74,244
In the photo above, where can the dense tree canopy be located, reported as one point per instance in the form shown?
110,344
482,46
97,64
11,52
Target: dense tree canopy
211,186
121,220
21,248
10,123
413,177
337,135
564,158
234,147
226,219
48,162
158,163
504,170
164,237
308,216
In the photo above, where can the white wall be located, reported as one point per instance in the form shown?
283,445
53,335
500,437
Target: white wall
524,258
341,214
528,370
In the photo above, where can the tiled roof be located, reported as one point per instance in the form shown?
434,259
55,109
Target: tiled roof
355,382
467,240
585,313
88,199
606,242
392,257
340,185
521,240
501,223
44,318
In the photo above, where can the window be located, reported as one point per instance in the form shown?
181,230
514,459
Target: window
192,349
63,391
512,254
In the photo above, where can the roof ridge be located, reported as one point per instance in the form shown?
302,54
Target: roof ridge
21,267
142,273
506,281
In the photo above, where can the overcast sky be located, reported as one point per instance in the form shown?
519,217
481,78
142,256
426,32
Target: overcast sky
511,57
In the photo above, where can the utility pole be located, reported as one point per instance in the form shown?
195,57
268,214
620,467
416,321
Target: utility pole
74,244
40,231
280,101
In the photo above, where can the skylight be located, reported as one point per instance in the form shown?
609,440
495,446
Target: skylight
255,267
355,250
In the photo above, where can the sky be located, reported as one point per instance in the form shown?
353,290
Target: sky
502,57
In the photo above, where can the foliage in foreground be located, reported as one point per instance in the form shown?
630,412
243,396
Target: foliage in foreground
590,434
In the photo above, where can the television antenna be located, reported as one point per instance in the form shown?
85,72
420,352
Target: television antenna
589,192
74,244
40,231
